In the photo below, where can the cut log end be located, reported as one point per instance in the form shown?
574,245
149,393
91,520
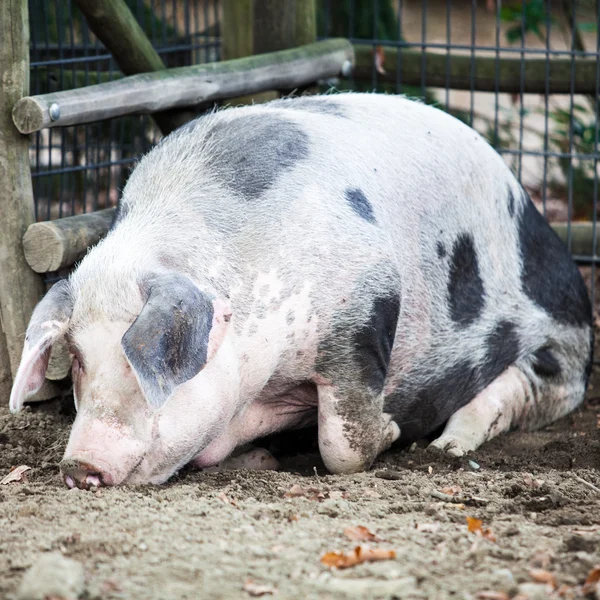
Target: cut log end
30,115
44,247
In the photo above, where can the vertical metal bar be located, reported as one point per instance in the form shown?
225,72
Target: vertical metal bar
375,37
521,88
399,52
448,46
472,70
423,47
497,78
546,109
572,103
595,163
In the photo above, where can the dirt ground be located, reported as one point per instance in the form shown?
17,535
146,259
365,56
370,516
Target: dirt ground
224,535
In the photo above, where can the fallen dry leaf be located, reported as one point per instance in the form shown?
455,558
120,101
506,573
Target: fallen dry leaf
360,534
451,491
489,595
528,480
371,493
476,526
592,579
16,474
356,556
379,60
543,576
257,589
312,493
427,527
223,498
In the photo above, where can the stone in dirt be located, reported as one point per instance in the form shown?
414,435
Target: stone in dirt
53,576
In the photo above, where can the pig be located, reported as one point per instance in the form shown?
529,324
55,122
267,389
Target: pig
364,263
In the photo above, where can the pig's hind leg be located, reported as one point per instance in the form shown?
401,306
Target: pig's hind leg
491,412
527,396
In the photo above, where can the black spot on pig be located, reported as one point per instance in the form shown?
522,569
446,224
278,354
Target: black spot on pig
251,152
167,344
502,346
511,203
120,213
465,286
319,105
373,342
360,204
549,276
545,363
441,250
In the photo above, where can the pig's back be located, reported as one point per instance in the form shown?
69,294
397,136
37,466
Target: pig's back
336,202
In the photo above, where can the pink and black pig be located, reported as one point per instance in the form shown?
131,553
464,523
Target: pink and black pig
361,262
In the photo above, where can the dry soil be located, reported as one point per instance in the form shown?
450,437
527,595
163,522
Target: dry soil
216,535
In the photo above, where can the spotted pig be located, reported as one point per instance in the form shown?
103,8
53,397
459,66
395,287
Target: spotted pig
361,262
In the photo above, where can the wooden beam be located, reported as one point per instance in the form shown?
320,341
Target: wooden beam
53,245
262,26
456,71
116,27
58,244
184,86
582,237
20,287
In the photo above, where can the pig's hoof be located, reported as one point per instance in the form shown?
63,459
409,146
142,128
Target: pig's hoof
449,445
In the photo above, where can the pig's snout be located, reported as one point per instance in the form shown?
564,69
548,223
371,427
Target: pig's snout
78,473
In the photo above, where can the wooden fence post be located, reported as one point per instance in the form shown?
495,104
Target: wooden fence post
20,287
260,26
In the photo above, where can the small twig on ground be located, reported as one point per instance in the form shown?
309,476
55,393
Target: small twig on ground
590,485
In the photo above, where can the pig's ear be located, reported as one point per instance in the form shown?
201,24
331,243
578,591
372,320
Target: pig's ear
178,331
49,322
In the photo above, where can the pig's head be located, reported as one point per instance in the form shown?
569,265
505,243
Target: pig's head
133,378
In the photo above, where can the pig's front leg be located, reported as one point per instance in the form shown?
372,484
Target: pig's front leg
350,375
353,429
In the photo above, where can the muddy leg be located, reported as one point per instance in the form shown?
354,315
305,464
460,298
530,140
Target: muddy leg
353,429
493,411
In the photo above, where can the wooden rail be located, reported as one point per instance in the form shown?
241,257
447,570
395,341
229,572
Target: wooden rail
184,86
53,245
481,73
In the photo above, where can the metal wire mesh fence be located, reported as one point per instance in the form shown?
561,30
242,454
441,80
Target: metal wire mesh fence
78,169
550,140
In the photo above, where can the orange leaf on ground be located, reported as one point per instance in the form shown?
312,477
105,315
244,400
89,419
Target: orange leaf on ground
226,500
355,557
16,474
543,576
452,491
312,493
256,589
592,579
476,526
489,595
361,533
